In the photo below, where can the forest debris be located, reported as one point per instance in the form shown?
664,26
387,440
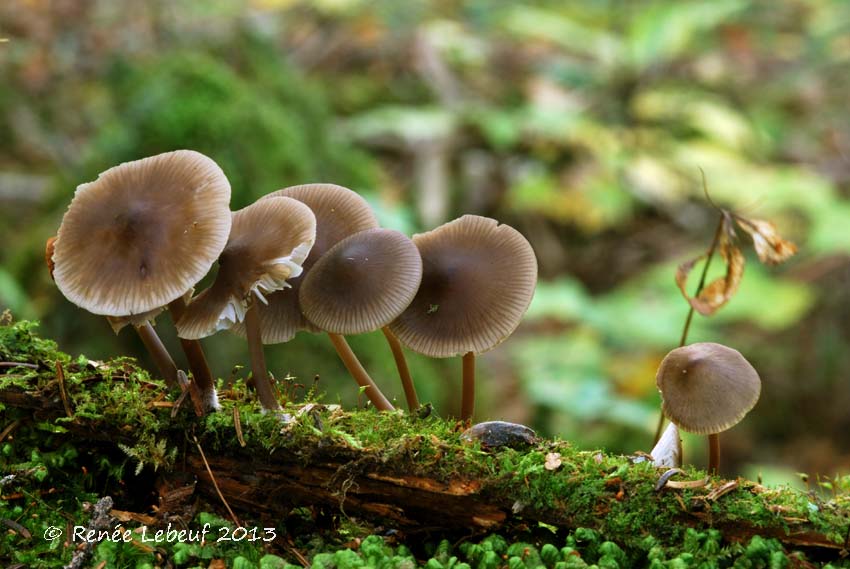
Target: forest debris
721,290
237,425
553,461
494,434
770,247
667,452
722,490
60,376
123,516
101,520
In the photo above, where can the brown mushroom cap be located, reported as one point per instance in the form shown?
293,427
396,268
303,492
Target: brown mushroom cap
268,244
477,282
362,283
143,233
339,212
707,388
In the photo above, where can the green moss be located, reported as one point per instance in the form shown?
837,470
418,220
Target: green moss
622,519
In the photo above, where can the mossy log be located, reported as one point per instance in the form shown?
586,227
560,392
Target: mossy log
410,473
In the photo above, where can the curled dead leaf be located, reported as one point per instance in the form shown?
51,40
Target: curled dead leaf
770,247
721,290
553,461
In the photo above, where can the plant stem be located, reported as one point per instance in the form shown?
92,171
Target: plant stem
161,357
467,401
262,384
403,370
355,368
684,338
197,363
714,453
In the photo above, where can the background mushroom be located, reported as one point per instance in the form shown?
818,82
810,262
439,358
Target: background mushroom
362,284
269,241
707,388
477,282
140,236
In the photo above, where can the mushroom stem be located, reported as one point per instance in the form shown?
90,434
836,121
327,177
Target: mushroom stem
201,372
467,401
403,370
355,368
161,357
265,391
714,453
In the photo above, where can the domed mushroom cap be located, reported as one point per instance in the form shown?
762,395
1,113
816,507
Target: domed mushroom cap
477,282
268,244
707,388
339,212
362,283
142,234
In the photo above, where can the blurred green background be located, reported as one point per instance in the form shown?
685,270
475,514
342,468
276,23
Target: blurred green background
583,124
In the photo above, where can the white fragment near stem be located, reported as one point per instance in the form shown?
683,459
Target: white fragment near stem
668,451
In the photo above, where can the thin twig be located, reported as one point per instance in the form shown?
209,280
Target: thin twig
237,423
215,484
8,430
18,364
60,376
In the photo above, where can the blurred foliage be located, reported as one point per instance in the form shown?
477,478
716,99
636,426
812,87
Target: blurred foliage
584,124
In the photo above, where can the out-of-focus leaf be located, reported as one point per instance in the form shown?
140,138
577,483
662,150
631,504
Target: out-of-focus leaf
12,296
770,247
653,180
829,229
566,372
663,30
564,299
719,291
703,112
549,25
410,124
745,185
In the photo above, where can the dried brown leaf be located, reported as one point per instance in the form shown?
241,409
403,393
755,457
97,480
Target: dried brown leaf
771,248
721,290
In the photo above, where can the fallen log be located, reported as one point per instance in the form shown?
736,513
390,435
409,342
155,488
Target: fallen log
401,471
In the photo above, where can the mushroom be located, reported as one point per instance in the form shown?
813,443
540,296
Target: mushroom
707,388
140,236
269,241
142,323
477,282
340,212
362,284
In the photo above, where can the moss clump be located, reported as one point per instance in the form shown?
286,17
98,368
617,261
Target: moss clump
62,463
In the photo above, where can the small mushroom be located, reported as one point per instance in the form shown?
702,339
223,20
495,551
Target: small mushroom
339,212
707,388
140,236
268,244
362,284
477,282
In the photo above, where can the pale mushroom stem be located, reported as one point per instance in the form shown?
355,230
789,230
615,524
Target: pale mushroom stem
403,370
467,401
714,453
161,358
358,372
262,383
197,363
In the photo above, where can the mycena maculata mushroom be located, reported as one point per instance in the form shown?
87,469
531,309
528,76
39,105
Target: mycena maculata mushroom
140,236
362,284
478,279
707,388
269,241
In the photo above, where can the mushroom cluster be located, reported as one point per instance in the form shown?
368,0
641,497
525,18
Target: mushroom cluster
312,258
